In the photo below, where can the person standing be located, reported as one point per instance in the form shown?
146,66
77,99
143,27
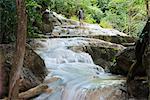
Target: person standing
81,16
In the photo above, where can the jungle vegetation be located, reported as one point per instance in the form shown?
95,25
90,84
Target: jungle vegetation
128,16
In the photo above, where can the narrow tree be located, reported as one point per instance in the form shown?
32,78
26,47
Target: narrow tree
20,50
147,51
1,65
147,8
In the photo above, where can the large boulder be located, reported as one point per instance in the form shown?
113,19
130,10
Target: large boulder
33,71
139,89
123,62
103,56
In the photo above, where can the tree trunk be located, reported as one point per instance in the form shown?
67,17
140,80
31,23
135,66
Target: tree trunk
146,63
147,52
20,50
1,80
1,37
140,50
147,8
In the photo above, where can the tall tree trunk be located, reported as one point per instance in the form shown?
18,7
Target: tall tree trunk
1,66
146,57
147,8
20,50
141,53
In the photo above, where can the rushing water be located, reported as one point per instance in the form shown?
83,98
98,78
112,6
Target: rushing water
79,77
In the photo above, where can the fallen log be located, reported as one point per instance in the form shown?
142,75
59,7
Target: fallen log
53,79
34,91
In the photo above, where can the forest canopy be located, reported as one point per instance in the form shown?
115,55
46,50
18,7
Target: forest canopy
127,16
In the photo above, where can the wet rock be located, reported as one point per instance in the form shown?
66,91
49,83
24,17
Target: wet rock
35,63
116,39
102,52
64,27
107,93
123,62
139,88
90,31
115,91
103,56
33,72
47,23
79,77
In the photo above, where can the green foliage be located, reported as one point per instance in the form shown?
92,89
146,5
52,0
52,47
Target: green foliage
8,19
95,13
127,16
74,18
8,22
34,14
105,24
136,16
65,7
89,19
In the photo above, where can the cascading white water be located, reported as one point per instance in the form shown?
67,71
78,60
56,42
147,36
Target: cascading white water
80,78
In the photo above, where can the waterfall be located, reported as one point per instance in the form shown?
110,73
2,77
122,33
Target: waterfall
80,78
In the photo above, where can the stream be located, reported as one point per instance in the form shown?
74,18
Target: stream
79,77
